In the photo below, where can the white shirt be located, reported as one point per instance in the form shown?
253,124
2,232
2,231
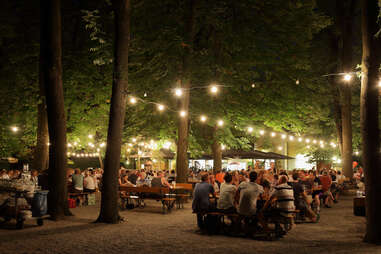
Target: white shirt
88,183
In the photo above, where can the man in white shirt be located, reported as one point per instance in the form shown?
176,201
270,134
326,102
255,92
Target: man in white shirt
248,193
88,182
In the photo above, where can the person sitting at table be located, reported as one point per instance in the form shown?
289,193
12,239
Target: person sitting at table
227,192
160,181
247,194
280,203
133,177
300,198
77,180
88,182
201,203
123,181
213,182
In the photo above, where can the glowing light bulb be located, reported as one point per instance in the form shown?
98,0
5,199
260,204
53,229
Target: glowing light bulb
300,139
183,113
273,134
160,107
308,140
250,129
214,89
357,153
261,132
223,147
203,118
347,77
308,146
339,161
134,140
98,150
253,85
145,95
334,158
220,123
314,141
284,136
133,100
280,148
291,138
15,128
297,82
69,145
75,143
178,92
102,144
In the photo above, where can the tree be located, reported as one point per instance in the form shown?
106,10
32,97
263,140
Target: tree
51,52
345,10
186,79
41,153
370,131
109,202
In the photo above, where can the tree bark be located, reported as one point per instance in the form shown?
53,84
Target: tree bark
109,203
183,123
346,8
51,51
370,131
217,152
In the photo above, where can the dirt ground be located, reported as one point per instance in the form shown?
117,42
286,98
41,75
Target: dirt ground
149,231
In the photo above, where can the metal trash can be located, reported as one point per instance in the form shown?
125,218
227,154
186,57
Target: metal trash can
40,203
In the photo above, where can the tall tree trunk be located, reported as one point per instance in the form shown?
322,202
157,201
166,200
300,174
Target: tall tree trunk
109,203
370,131
183,124
51,51
217,152
345,18
41,152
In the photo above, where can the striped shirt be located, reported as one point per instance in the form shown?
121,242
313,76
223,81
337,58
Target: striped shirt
285,197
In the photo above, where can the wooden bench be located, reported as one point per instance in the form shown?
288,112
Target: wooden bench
186,190
141,193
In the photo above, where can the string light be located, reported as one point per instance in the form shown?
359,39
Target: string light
220,123
183,113
280,148
253,85
75,143
300,139
145,95
203,118
223,147
357,153
347,77
102,144
133,100
314,141
214,89
273,134
250,129
15,128
178,92
284,136
134,140
160,107
297,82
308,140
90,136
291,138
98,150
69,145
261,132
167,144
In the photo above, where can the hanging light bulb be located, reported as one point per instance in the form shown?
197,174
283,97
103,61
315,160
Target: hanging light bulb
203,118
214,89
220,123
291,138
261,132
178,92
145,95
273,134
223,147
69,145
160,107
284,136
102,144
15,128
134,140
300,139
314,141
280,148
297,82
253,85
250,129
308,140
183,113
133,100
347,77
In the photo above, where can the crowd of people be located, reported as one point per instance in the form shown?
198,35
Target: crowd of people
267,192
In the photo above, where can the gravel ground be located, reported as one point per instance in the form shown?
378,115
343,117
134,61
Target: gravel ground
149,231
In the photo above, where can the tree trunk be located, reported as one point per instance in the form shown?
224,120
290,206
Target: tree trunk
183,124
51,52
109,203
346,9
217,152
41,153
370,131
